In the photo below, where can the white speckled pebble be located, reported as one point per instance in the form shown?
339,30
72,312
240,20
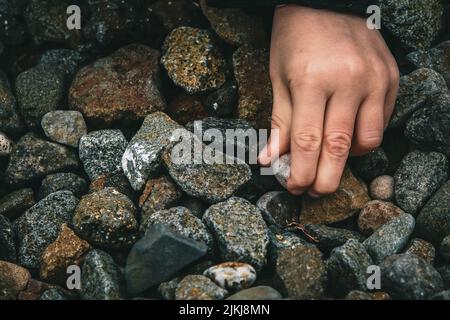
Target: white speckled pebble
5,145
282,168
233,276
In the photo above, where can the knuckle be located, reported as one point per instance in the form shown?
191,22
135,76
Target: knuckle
338,144
355,69
296,183
308,140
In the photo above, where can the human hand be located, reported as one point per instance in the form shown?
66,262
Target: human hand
335,84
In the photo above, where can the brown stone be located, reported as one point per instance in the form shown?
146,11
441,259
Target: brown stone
122,87
251,70
13,279
34,290
350,197
185,108
68,249
421,248
375,214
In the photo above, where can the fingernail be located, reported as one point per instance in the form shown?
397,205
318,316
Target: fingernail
312,194
297,192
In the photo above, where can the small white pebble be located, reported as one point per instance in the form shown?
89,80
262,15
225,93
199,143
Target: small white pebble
5,145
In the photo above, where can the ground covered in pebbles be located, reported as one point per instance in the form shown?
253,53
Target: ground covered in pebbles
86,177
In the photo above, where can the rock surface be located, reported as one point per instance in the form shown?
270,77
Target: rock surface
232,276
375,214
65,127
197,287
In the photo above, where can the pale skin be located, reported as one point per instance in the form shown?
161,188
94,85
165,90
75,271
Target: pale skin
335,83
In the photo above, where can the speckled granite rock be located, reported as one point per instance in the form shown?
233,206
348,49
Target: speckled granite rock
7,240
65,127
17,202
101,152
124,87
106,218
197,287
142,156
409,277
239,230
391,238
13,279
62,181
420,174
101,278
39,226
371,165
279,208
192,60
32,158
444,249
382,188
232,276
421,248
375,214
10,121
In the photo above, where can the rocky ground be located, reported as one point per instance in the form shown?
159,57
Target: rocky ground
86,178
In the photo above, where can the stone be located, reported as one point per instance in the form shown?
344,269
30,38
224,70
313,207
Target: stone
347,268
234,25
420,174
34,290
121,88
159,194
443,295
415,24
67,60
223,102
232,276
375,214
211,178
101,278
39,226
410,277
17,202
279,208
106,219
382,188
67,250
390,238
65,127
39,90
198,287
182,221
421,248
358,295
116,180
433,221
240,231
10,121
142,156
350,197
279,240
7,240
444,249
33,158
167,289
327,238
158,256
101,152
371,165
13,279
62,181
196,206
5,145
444,271
416,89
282,168
257,293
436,58
185,108
193,61
54,295
251,70
428,127
301,273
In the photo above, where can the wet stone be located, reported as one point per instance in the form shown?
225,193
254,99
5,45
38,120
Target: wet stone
17,202
65,127
421,248
375,214
62,181
232,276
197,287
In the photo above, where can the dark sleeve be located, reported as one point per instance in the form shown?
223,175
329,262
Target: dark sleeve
351,6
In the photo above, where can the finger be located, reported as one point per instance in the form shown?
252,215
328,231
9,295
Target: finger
391,95
306,136
278,142
339,125
369,125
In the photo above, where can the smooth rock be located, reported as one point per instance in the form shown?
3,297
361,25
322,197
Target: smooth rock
198,287
13,279
65,127
390,238
444,249
16,203
371,165
375,214
382,188
257,293
232,276
240,231
101,152
223,102
420,174
106,219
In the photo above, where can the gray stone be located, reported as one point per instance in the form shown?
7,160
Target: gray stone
101,152
198,287
347,268
142,156
279,240
421,248
39,226
54,294
17,202
182,221
240,231
167,289
279,208
65,127
10,121
65,59
444,249
158,256
433,221
106,219
371,165
7,240
444,271
257,293
101,277
409,277
391,238
33,158
62,181
223,102
420,174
